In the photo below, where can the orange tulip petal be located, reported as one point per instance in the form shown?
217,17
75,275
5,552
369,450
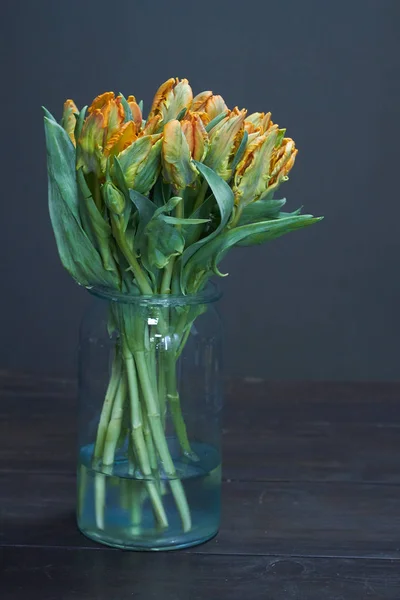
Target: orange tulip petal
160,96
196,136
121,139
101,101
215,105
69,119
151,125
199,101
113,118
136,114
92,130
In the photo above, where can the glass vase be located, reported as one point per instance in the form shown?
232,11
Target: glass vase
150,398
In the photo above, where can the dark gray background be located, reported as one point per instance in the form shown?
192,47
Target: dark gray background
319,303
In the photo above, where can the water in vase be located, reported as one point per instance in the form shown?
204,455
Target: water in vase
114,505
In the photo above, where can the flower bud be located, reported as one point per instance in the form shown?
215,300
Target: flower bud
69,119
282,162
113,198
90,144
196,136
207,103
136,112
224,141
141,163
114,117
199,102
253,171
178,169
258,122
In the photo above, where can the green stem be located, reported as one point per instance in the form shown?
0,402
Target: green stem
107,407
167,276
235,217
138,439
160,440
175,407
161,389
110,443
149,443
97,194
133,262
169,269
201,196
137,495
134,491
114,426
99,499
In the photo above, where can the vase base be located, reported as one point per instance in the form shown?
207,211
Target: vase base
151,546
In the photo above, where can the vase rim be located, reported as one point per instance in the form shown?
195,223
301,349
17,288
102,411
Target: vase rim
211,293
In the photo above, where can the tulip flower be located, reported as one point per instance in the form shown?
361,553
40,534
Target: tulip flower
253,171
105,132
210,105
152,125
171,98
282,162
178,168
258,122
90,144
224,141
69,119
136,112
141,163
196,136
121,139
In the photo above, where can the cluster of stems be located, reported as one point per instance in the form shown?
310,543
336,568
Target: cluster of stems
141,392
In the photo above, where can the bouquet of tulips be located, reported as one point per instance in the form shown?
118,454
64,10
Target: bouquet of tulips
150,207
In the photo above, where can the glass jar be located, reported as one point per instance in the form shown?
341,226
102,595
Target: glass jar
150,398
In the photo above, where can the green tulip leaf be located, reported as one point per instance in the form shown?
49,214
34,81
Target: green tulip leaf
215,121
161,192
163,242
79,123
290,214
168,206
127,108
101,228
61,163
181,114
260,211
94,225
205,261
77,253
194,233
48,114
225,201
146,209
120,181
277,228
240,152
177,221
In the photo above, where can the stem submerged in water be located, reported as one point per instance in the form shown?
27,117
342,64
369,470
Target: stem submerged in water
143,386
160,441
139,441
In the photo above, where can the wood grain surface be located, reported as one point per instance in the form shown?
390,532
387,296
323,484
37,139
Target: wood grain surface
311,500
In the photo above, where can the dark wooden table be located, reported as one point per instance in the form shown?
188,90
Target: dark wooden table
311,501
